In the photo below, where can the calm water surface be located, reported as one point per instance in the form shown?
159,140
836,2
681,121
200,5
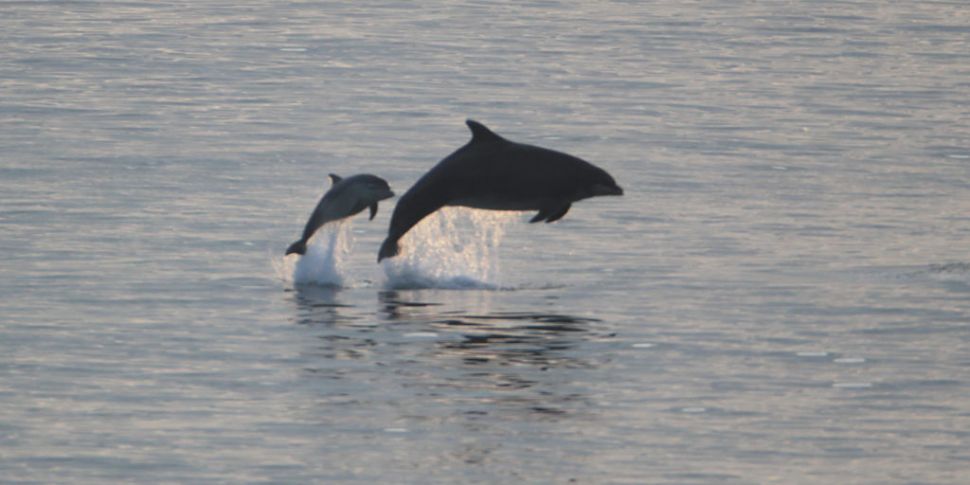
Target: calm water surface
782,295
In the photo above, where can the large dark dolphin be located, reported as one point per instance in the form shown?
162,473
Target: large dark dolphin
346,197
490,172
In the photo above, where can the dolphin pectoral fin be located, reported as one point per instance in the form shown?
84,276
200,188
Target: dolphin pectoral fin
551,214
555,216
334,178
373,211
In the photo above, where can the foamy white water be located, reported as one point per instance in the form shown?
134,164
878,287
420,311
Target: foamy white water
323,264
453,248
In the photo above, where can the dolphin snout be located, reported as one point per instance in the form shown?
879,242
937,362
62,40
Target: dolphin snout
600,189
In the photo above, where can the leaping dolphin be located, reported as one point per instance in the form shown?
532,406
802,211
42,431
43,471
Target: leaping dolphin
493,173
346,197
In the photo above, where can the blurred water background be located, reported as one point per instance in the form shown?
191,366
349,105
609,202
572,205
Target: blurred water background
782,295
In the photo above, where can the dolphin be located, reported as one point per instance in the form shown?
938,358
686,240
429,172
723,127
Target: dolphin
493,173
346,197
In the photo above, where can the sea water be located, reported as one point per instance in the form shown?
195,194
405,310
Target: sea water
781,295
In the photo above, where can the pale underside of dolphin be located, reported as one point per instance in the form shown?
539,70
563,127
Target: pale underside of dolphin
493,173
346,197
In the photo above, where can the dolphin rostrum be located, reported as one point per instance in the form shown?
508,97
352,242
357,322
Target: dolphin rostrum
493,173
346,197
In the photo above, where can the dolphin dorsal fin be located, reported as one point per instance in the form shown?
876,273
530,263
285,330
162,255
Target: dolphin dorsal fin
480,132
334,178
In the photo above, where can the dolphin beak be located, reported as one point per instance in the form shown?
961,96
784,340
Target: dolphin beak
600,189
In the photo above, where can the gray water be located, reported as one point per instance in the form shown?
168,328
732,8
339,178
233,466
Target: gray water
782,295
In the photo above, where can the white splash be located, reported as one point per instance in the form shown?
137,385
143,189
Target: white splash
454,248
323,263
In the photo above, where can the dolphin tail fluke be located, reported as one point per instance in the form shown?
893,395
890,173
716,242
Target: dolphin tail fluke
389,249
298,247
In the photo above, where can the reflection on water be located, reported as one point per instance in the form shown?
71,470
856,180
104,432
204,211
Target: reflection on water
396,308
318,305
434,354
539,339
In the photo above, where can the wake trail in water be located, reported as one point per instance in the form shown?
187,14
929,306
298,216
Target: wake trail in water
323,263
958,273
454,248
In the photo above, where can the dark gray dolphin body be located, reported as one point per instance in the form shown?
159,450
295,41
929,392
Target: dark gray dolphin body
493,173
346,197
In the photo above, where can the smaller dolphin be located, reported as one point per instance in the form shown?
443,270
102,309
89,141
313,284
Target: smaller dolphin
346,197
